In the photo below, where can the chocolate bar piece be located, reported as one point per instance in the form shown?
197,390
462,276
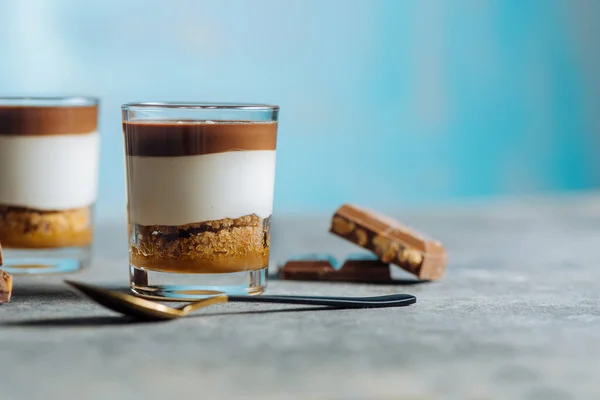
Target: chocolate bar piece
358,269
391,241
5,287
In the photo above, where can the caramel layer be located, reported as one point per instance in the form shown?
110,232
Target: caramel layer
186,138
248,262
41,120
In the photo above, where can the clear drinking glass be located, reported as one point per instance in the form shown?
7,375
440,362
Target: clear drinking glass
49,150
200,181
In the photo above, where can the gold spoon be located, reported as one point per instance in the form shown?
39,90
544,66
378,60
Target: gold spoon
152,311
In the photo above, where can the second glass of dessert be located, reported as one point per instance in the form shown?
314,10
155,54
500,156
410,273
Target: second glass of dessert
49,151
200,180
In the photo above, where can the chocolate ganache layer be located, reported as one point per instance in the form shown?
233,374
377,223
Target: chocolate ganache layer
185,138
47,120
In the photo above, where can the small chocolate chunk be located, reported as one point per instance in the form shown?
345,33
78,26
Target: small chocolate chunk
391,241
309,267
358,269
364,268
5,287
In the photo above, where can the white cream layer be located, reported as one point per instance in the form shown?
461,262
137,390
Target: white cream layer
54,172
188,189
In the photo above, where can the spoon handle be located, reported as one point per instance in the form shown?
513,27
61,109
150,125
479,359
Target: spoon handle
391,300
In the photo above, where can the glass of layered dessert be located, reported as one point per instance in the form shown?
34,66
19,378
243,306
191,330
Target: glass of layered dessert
200,181
49,151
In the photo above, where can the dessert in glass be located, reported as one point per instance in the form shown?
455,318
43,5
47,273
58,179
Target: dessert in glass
49,150
200,181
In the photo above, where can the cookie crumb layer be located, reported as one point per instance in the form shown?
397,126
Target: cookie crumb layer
220,246
26,228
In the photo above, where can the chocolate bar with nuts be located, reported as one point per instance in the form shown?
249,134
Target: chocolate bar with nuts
314,267
5,283
5,287
391,241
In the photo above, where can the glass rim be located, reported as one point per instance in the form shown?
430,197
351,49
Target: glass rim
49,101
202,106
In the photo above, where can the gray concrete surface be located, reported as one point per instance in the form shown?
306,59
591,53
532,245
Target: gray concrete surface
516,317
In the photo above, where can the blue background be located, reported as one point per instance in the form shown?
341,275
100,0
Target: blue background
384,103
